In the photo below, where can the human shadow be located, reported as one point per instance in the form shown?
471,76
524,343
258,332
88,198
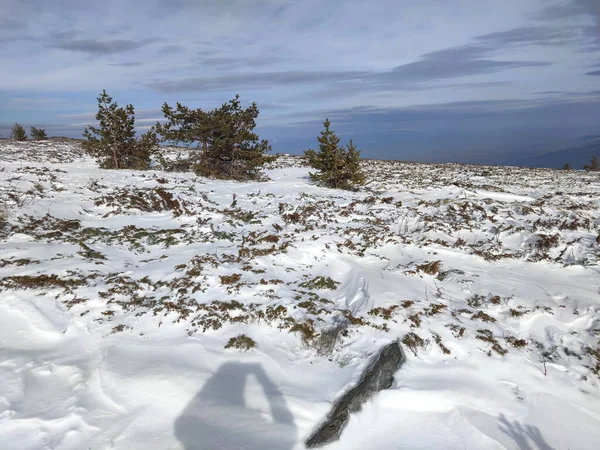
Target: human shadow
522,434
218,418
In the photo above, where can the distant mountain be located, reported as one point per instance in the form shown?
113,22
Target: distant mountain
577,155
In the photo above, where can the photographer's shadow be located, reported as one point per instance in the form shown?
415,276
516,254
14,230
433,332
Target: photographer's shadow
218,418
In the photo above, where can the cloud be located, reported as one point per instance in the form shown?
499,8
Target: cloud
444,64
531,35
578,9
99,47
251,80
453,62
127,64
12,25
170,49
572,8
247,61
593,72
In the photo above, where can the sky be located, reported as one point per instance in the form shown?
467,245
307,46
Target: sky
405,79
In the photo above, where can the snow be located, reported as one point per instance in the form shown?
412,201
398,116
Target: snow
119,358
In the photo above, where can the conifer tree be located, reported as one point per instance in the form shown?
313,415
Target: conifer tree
227,146
18,133
39,134
113,143
337,167
593,166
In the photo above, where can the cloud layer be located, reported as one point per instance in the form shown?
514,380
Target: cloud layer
307,57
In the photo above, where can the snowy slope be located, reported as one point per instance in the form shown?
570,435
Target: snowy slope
119,291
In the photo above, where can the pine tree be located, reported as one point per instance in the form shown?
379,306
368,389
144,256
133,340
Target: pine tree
39,134
229,147
336,167
594,166
114,143
18,133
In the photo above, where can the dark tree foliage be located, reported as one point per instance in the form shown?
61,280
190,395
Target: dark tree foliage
114,143
567,166
593,166
18,133
337,167
39,134
227,147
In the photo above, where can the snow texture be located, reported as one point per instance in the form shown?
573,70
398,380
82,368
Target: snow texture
120,289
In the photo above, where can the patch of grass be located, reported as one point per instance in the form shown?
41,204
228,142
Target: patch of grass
434,309
483,316
517,343
43,281
475,301
306,329
230,279
414,342
438,340
384,313
241,342
430,268
320,282
415,320
457,330
89,253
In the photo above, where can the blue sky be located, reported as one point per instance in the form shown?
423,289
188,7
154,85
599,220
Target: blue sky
414,79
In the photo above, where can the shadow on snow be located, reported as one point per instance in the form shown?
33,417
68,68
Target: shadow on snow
218,417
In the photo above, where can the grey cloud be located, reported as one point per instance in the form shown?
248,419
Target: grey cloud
454,62
251,81
363,117
575,8
170,49
444,64
249,61
12,25
532,35
126,64
100,47
593,72
572,8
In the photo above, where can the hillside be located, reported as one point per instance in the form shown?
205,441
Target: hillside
120,290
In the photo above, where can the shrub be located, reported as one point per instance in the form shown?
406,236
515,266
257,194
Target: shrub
567,166
17,133
593,166
114,143
241,342
414,342
3,215
38,134
336,167
229,147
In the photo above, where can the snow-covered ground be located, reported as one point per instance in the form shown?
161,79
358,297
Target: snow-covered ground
119,291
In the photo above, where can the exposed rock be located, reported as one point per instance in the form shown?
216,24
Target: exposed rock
379,375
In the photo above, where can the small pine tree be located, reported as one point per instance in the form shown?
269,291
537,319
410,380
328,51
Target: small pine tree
337,167
38,134
567,166
18,133
114,143
230,148
594,166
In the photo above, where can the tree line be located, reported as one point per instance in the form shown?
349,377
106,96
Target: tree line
222,143
18,133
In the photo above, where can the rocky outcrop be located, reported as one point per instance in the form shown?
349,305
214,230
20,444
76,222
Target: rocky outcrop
379,375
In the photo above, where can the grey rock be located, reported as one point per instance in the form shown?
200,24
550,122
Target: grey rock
379,375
